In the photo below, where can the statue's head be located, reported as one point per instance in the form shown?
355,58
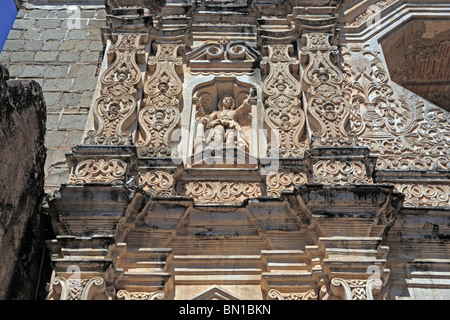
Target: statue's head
227,103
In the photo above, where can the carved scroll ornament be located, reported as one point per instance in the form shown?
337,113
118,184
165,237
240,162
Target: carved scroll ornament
283,112
340,172
277,295
159,183
222,192
160,114
125,295
104,171
115,109
425,195
280,181
80,289
328,110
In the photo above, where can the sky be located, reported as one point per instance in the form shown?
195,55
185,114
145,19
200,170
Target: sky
8,14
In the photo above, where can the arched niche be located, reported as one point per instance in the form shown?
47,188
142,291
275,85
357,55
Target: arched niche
213,116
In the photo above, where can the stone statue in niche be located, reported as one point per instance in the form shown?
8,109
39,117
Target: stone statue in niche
225,125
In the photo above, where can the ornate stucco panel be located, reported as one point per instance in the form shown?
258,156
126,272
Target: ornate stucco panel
328,110
283,112
115,108
159,114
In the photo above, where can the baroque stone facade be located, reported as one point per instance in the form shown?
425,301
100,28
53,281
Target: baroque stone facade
255,150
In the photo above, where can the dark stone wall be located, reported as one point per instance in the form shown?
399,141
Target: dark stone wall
23,228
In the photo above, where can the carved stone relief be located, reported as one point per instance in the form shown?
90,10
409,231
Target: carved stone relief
104,171
80,289
328,110
125,295
159,183
115,109
277,295
222,192
425,195
283,112
356,289
223,115
340,172
402,130
280,181
370,12
223,57
160,114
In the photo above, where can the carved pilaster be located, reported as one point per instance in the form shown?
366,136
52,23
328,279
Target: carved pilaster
328,110
283,112
115,109
159,114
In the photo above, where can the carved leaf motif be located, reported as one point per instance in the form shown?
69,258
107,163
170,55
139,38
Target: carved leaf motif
328,110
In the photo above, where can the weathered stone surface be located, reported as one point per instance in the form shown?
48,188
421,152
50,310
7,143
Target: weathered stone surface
22,156
43,47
